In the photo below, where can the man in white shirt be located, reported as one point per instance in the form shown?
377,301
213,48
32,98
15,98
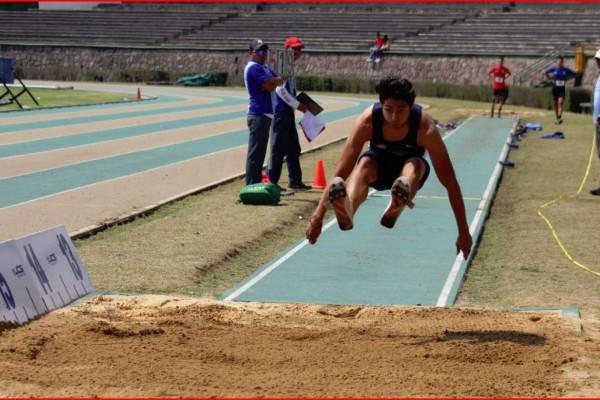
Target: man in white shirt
596,114
284,137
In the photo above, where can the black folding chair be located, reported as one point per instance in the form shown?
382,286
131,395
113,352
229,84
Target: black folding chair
13,97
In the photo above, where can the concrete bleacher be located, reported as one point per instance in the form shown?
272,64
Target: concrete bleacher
491,28
101,27
386,7
324,30
526,29
334,31
514,33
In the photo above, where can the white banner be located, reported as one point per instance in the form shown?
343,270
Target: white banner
19,289
52,258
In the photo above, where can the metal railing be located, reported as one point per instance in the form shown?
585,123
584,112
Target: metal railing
537,67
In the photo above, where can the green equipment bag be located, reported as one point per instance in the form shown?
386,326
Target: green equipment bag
260,193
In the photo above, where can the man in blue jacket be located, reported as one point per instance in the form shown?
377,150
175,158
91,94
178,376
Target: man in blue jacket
260,81
284,139
559,74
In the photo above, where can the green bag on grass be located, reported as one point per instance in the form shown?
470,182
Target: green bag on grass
260,193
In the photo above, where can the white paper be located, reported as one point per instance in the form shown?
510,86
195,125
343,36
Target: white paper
311,125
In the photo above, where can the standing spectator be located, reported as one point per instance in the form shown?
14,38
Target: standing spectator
284,138
559,74
499,74
260,81
596,114
377,43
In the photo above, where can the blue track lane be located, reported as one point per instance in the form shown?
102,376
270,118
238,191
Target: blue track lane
27,126
408,265
27,187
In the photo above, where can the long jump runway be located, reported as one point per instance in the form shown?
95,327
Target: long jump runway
413,264
84,166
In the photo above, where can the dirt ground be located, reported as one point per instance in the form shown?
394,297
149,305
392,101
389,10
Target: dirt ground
165,346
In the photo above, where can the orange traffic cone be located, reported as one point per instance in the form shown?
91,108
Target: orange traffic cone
138,95
265,178
319,182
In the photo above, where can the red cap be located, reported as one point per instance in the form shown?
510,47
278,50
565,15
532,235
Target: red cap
293,42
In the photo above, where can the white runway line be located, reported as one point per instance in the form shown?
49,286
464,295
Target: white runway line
290,253
483,205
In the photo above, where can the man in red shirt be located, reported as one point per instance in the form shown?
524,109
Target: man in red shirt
499,74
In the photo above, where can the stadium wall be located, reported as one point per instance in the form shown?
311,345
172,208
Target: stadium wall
109,64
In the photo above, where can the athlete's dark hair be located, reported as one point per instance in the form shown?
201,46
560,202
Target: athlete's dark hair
396,88
560,57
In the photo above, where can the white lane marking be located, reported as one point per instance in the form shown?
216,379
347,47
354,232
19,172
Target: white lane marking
485,201
277,263
286,256
428,197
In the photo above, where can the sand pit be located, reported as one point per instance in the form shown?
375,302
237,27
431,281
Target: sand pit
164,346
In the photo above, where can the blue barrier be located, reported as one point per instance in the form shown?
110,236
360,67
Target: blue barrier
6,70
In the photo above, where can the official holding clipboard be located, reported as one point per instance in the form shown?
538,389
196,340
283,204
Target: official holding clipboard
284,137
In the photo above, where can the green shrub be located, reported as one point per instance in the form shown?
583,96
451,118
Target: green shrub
518,95
93,75
127,75
220,77
576,97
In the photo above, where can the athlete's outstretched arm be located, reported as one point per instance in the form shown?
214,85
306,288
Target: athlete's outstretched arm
360,134
430,138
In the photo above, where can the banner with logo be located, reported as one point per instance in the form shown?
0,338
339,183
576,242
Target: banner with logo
40,272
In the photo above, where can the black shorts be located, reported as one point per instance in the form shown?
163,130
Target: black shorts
389,168
558,91
501,93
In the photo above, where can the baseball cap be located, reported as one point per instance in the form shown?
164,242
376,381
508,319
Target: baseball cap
293,42
257,44
597,54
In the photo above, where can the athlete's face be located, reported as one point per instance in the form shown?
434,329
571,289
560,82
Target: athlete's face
560,62
260,55
396,112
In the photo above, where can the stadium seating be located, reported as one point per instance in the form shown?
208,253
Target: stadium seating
490,28
100,27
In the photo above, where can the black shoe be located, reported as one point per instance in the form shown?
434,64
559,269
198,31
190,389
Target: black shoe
400,193
595,192
338,198
283,192
299,186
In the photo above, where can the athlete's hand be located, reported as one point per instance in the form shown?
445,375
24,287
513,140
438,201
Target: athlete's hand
464,243
313,230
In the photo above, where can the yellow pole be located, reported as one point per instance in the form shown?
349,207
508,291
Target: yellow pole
580,60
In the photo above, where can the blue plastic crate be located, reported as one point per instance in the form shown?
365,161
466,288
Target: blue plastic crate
6,70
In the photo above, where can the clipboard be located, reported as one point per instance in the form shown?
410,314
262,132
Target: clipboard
310,104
